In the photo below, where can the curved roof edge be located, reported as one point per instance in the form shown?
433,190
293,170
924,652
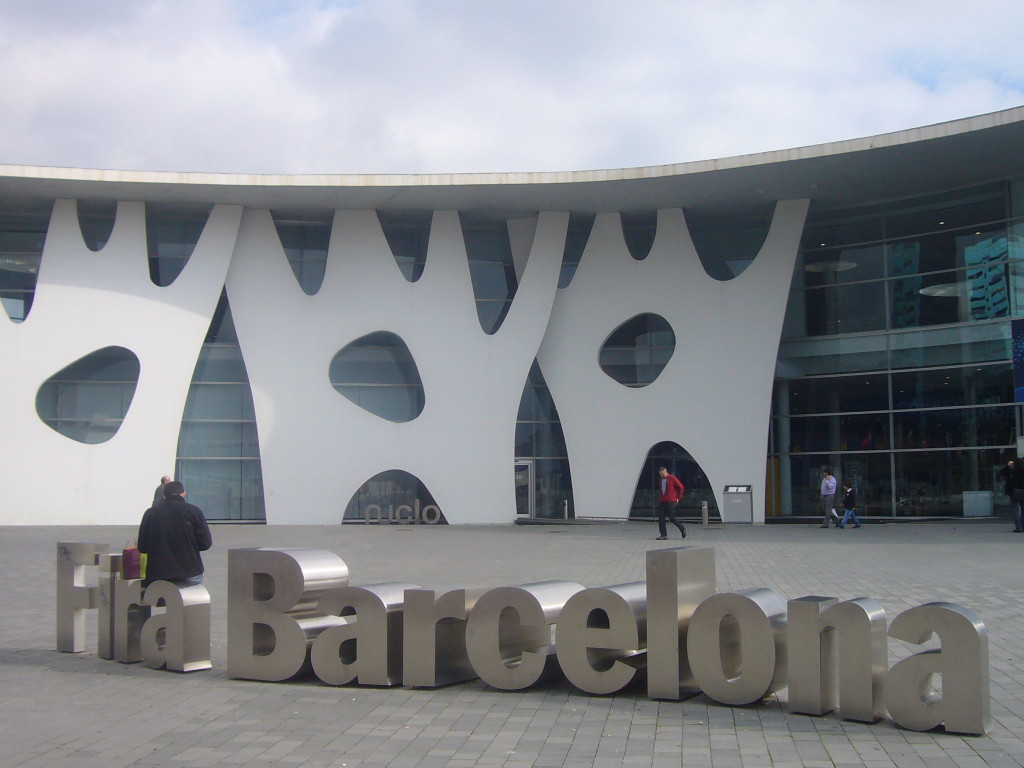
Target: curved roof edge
832,149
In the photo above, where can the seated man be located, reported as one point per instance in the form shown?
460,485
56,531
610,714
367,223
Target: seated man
172,535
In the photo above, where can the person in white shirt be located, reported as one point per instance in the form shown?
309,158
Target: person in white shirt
828,498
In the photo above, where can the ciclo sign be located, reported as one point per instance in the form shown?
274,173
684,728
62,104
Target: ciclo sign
292,610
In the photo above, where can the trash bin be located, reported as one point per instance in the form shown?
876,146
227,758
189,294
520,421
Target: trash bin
738,504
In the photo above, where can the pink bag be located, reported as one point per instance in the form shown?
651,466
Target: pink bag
131,563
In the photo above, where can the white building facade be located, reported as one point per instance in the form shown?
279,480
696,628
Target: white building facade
487,348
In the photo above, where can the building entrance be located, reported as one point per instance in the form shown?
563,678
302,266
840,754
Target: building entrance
526,497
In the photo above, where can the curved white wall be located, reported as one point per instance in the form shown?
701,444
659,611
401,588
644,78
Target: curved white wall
714,396
317,447
85,301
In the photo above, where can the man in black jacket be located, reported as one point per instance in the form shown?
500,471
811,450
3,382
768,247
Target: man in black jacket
172,535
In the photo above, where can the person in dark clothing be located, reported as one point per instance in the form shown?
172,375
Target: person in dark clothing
849,504
670,491
158,494
1013,487
172,534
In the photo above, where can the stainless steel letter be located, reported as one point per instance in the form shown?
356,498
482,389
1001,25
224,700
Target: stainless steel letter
508,633
677,580
368,646
962,661
130,613
74,597
179,637
824,634
109,572
737,645
601,635
434,642
272,615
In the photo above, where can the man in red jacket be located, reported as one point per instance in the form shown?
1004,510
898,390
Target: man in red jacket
669,494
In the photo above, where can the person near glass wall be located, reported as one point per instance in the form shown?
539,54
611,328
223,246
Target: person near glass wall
849,506
1012,476
828,498
158,494
670,492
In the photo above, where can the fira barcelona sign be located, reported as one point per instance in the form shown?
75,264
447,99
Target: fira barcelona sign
294,611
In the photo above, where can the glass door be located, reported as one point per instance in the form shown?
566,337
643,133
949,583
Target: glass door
525,497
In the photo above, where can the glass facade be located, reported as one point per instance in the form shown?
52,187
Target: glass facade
21,251
895,366
539,440
218,447
88,400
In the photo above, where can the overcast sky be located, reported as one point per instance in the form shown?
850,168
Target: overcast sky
433,86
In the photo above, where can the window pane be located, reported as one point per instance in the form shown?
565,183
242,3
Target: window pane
491,269
219,401
87,400
951,346
554,488
637,351
964,209
839,433
849,265
843,232
377,373
954,428
225,489
839,393
807,357
934,482
869,475
209,439
220,364
305,244
845,309
953,386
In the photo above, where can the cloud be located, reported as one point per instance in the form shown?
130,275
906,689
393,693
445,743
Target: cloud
418,86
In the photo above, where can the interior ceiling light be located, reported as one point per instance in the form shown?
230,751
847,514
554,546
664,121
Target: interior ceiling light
943,289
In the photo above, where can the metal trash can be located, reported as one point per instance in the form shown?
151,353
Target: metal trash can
738,504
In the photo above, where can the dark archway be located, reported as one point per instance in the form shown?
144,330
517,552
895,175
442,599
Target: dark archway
680,463
393,496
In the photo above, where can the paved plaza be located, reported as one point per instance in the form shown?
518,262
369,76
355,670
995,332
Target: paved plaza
62,710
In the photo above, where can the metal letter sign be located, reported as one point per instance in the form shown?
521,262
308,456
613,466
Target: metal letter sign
74,596
292,611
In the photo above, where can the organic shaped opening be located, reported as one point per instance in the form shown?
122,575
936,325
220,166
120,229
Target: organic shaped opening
728,246
171,236
491,268
408,235
637,351
377,373
21,254
576,238
96,221
679,462
88,400
218,444
305,244
638,230
545,490
393,496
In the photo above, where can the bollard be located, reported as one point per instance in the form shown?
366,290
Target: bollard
703,513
